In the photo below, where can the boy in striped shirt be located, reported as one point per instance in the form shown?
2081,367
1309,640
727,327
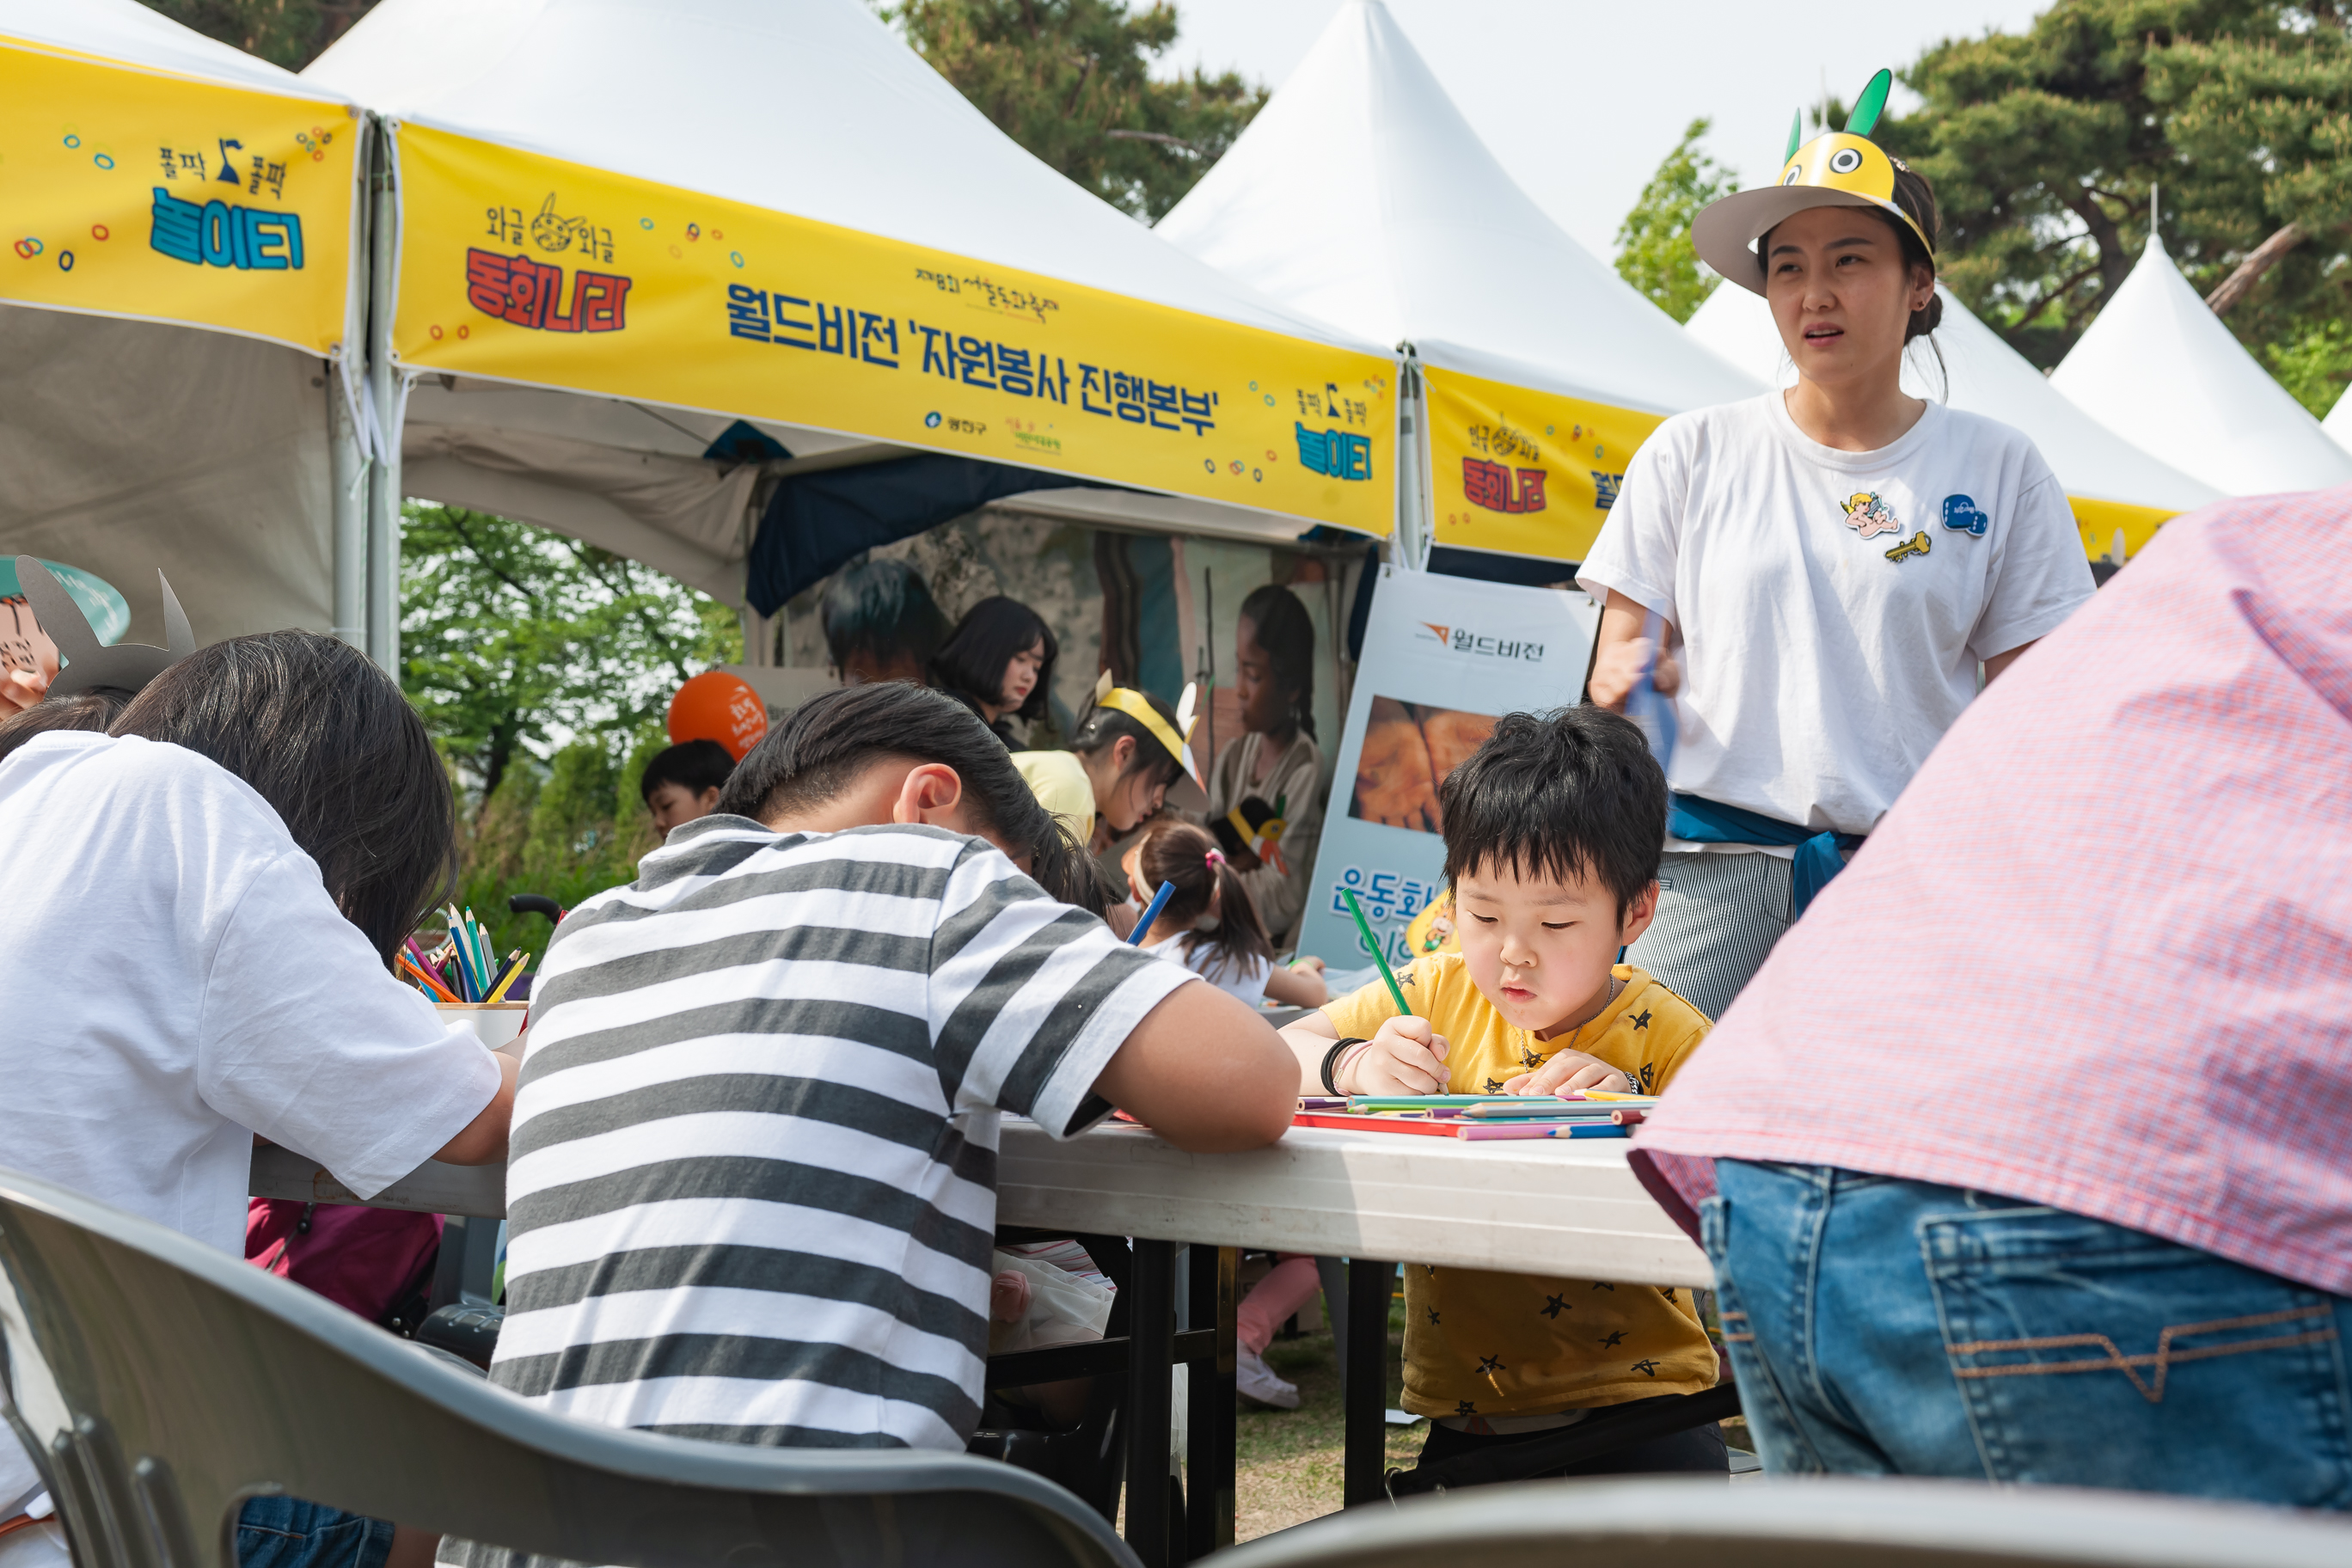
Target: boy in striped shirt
753,1188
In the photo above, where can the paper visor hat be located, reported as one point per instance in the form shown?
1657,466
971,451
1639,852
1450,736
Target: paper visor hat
87,664
1835,169
1187,792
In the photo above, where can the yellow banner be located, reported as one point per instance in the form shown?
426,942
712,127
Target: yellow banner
2101,520
1529,473
533,269
134,192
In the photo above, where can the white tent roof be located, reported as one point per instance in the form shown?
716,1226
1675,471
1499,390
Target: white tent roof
2159,368
130,445
1360,195
808,107
2339,422
1986,376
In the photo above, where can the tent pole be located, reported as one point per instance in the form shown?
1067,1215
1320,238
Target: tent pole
384,493
347,507
1412,525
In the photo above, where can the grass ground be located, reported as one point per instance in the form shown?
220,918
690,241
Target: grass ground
1287,1462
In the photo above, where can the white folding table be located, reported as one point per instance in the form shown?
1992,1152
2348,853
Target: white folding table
1565,1206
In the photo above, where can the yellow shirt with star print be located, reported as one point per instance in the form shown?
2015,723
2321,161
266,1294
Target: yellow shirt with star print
1478,1343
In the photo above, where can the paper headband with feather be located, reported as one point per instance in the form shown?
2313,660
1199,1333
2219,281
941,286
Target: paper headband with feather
1188,791
87,663
1836,168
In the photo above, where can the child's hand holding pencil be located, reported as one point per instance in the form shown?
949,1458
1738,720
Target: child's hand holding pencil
1571,1072
1404,1056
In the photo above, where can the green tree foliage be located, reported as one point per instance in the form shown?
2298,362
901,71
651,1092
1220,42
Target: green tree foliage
2044,146
1653,247
513,637
1071,80
290,33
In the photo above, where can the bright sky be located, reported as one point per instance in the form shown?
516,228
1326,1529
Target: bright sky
1579,101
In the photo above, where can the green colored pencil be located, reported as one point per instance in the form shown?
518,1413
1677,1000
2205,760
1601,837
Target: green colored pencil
1387,973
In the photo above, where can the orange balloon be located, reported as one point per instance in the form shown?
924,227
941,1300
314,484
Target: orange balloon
715,706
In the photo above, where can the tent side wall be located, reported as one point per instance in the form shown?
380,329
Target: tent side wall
130,445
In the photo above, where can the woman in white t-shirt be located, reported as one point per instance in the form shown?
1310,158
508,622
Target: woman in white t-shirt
1828,566
203,906
1210,924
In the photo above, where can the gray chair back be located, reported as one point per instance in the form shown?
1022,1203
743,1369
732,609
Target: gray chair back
161,1383
1826,1522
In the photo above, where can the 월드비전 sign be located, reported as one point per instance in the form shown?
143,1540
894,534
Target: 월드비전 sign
525,267
1444,659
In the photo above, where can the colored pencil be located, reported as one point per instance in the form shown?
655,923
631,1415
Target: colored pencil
514,971
1151,912
1373,1123
1365,927
426,977
1555,1129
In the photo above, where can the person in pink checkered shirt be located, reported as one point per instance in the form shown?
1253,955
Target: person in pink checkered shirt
2032,1143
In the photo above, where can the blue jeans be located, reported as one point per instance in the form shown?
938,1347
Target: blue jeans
287,1533
1886,1327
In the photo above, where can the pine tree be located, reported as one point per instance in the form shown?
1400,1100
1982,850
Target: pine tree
1653,247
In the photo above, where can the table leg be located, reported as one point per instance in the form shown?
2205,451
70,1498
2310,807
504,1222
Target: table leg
1366,1382
1209,1467
1151,1326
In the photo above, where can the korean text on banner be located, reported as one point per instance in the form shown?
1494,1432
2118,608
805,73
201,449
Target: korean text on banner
139,193
1444,659
1528,473
529,269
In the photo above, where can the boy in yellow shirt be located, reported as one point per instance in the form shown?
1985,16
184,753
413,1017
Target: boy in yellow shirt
1552,836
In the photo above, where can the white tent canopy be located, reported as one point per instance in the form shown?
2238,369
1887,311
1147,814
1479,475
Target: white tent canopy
132,445
2339,422
1980,374
811,108
1360,195
2158,368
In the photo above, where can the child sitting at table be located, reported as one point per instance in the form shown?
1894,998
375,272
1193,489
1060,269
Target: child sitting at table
753,1186
1553,829
1210,923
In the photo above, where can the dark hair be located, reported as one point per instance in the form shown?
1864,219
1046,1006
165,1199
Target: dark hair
1282,627
820,747
327,739
1173,851
692,765
972,661
1917,197
1573,794
880,608
1103,726
93,709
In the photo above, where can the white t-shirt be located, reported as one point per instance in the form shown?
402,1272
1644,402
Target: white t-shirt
179,980
1832,606
1245,977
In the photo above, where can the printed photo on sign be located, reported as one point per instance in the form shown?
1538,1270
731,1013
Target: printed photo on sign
1409,748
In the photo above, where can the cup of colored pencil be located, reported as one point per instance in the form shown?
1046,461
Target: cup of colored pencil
464,981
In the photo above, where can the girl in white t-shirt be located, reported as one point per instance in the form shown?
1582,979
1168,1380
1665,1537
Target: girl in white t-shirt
1210,925
1829,567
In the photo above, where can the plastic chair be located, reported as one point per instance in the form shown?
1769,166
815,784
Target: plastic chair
1830,1523
161,1383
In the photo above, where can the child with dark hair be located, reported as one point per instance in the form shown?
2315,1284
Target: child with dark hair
880,623
999,664
1209,925
681,782
87,710
1275,770
775,1066
205,903
1552,836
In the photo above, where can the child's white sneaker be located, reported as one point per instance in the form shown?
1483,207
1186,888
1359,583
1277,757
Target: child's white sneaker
1255,1378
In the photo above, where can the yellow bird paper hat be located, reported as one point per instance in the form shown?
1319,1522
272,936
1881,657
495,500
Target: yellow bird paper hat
1835,169
1187,792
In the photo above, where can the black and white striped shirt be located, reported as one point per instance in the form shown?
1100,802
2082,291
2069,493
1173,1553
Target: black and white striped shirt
753,1175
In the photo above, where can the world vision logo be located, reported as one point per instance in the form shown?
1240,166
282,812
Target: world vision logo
1463,639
